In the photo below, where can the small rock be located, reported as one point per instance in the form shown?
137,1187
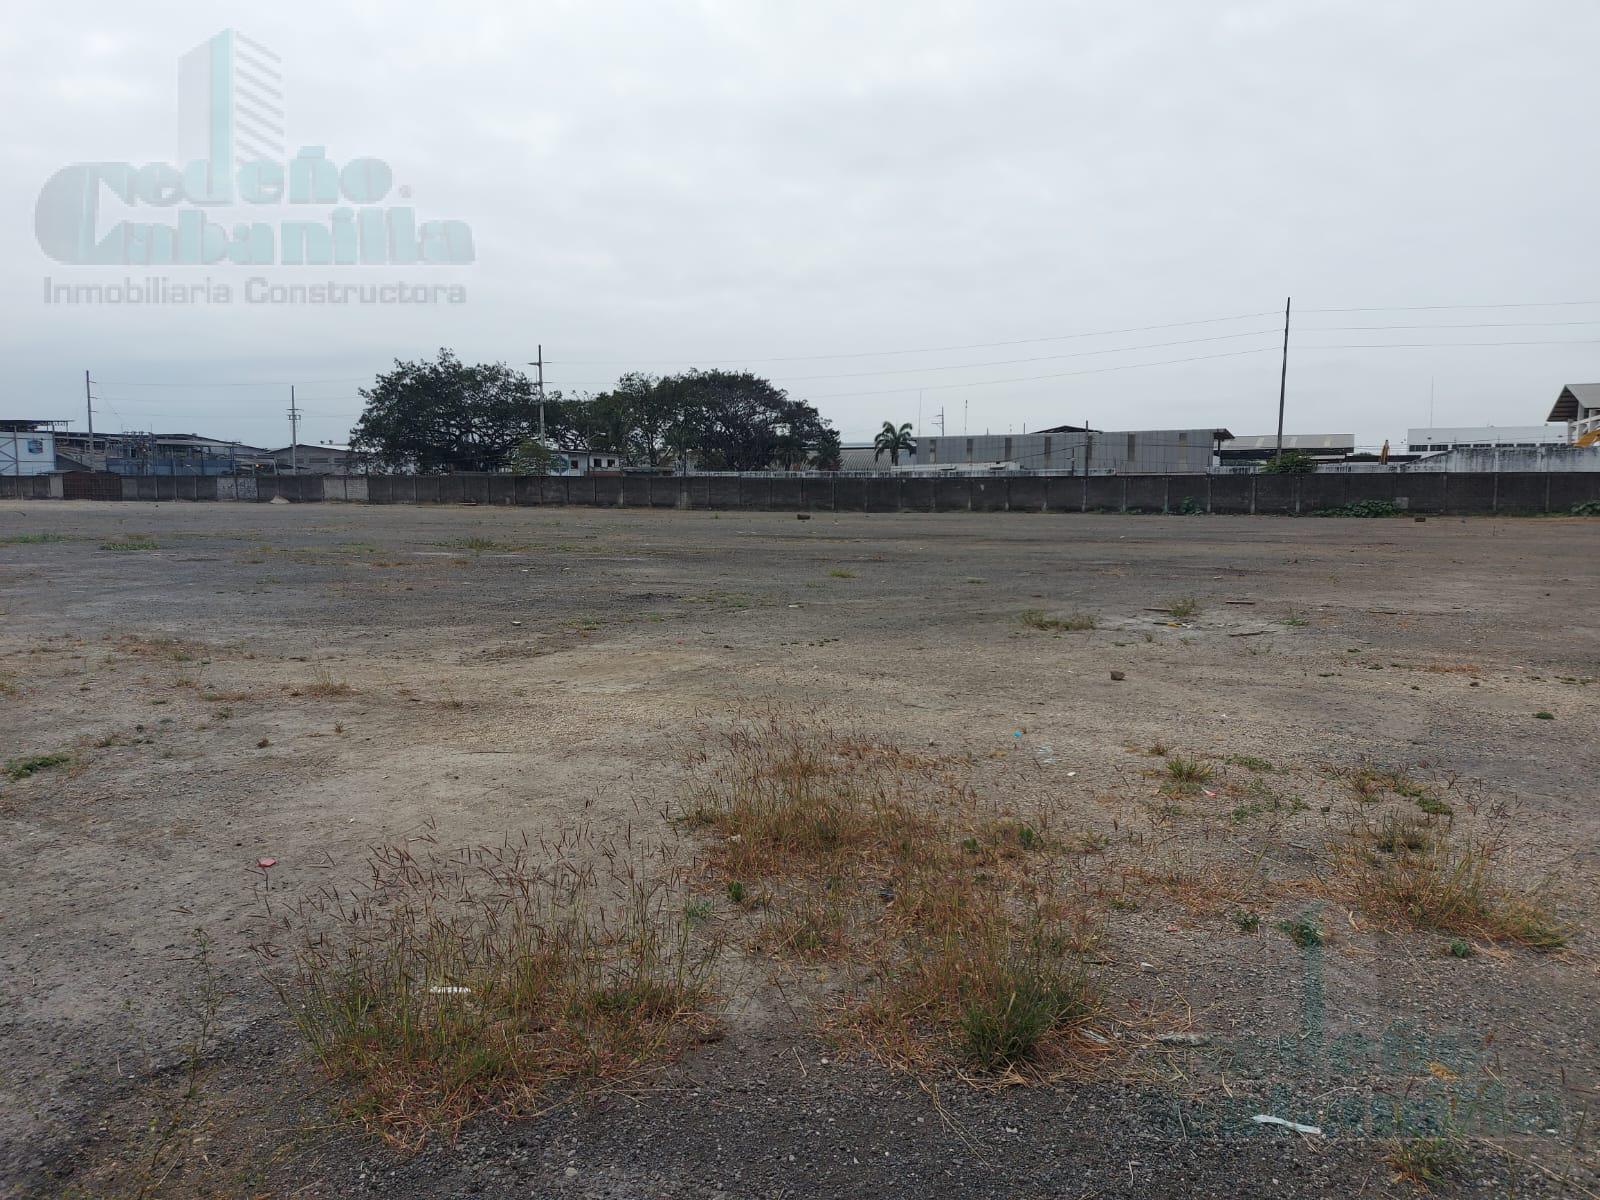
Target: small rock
802,517
1119,676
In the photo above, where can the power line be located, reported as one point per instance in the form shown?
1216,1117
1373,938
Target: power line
1005,362
1459,307
234,383
931,387
1488,325
1060,337
1443,345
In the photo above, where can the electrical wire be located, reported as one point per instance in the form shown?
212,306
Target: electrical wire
1061,337
939,387
1460,307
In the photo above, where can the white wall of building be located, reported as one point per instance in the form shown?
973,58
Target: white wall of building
27,452
1486,437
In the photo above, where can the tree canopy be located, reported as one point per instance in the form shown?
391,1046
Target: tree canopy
719,420
446,415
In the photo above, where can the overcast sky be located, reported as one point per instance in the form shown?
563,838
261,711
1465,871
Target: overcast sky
658,185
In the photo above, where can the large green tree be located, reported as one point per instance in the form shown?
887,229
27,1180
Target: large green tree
717,420
445,415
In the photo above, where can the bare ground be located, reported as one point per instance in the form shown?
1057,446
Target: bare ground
229,683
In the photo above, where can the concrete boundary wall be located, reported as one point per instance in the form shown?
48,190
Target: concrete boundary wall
1504,492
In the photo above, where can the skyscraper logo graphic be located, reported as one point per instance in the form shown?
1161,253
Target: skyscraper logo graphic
230,103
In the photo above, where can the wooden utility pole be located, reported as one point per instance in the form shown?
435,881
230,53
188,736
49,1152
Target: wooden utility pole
1283,374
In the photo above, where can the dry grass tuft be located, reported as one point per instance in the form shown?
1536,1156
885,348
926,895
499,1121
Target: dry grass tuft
1425,1161
1037,618
174,649
1439,878
471,980
324,685
952,910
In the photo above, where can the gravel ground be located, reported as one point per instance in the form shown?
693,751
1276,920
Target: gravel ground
230,682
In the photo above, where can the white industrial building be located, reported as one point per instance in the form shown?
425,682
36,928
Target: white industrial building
1485,437
1579,406
27,447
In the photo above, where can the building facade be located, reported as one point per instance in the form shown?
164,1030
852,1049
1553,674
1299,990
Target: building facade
1485,437
1579,406
27,447
1078,451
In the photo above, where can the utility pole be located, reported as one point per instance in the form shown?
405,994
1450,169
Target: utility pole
1283,375
88,403
294,434
540,365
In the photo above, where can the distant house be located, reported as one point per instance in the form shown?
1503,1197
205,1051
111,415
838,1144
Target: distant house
1579,406
583,461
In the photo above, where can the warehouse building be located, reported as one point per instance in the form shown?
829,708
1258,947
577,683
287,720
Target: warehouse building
1077,451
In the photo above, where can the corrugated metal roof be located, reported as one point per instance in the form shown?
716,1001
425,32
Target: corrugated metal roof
1573,397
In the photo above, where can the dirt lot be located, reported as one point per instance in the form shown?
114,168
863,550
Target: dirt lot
188,689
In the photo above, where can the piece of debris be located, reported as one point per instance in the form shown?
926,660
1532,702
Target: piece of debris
1119,676
1264,1119
1183,1039
802,516
516,622
447,989
264,863
1249,633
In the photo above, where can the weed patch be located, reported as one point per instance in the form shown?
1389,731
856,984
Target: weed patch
1037,618
21,768
1425,1161
1183,608
950,911
1362,508
453,983
1451,882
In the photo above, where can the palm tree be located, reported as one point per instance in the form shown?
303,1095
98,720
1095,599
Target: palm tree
892,441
